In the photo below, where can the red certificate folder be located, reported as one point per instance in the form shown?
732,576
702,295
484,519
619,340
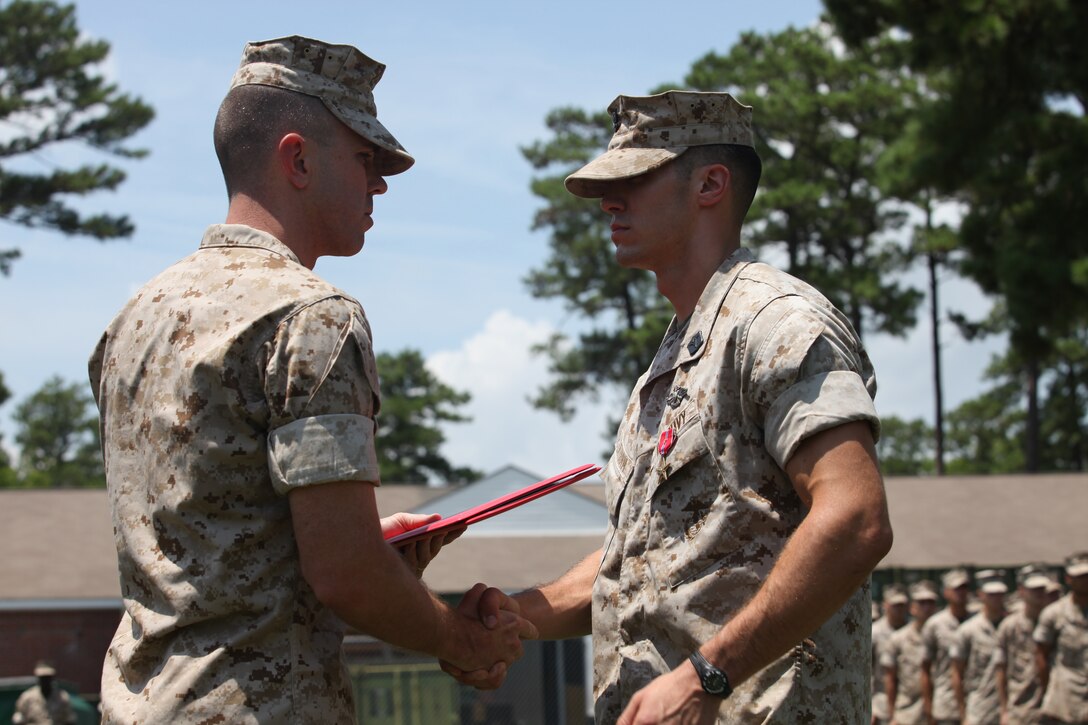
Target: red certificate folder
498,505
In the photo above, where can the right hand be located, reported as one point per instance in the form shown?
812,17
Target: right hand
496,628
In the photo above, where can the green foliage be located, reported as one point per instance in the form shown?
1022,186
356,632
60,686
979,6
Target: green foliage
1007,133
414,403
50,96
1065,408
58,438
629,316
985,434
823,121
5,461
905,447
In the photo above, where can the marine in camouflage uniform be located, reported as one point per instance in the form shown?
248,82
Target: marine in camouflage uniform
901,660
938,636
974,663
758,375
46,703
1017,684
234,389
894,618
1062,653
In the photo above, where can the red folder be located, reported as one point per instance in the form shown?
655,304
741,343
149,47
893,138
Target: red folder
498,505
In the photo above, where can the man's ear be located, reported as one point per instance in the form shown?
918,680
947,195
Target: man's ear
293,160
715,181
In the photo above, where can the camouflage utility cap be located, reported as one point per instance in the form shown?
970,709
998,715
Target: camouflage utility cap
650,131
955,578
340,75
991,581
44,669
895,594
923,591
1077,564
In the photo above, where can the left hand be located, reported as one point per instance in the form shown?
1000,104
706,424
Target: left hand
676,698
418,554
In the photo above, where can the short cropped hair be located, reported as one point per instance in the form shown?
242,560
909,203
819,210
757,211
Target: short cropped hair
742,161
251,121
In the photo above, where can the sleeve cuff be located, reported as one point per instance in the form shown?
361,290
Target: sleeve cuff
322,449
813,405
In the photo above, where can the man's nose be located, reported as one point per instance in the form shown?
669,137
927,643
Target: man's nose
611,203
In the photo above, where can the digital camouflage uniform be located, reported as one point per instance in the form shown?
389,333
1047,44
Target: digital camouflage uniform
232,378
882,632
938,634
34,708
1063,626
975,645
1016,654
700,506
904,653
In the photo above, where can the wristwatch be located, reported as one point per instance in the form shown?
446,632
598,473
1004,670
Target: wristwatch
713,680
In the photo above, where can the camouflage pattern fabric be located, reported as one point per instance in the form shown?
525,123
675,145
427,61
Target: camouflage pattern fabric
649,131
1063,626
34,708
342,76
230,379
938,634
882,632
974,645
1016,652
904,652
700,506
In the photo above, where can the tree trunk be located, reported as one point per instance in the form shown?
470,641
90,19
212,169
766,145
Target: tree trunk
1031,431
938,388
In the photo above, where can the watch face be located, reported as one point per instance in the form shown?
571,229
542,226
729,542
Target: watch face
713,683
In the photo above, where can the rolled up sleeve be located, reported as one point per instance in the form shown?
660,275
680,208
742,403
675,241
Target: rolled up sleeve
322,385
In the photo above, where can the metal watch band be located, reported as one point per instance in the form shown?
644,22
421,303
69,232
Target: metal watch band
714,681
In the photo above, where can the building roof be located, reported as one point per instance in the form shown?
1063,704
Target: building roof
57,546
997,521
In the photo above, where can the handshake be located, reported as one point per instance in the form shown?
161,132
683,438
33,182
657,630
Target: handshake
487,638
479,640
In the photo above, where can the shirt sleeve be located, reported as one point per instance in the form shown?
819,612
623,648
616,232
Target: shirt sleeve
321,382
1000,655
1046,630
929,643
888,654
807,376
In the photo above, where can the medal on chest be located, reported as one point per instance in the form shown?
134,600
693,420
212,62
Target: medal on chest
665,441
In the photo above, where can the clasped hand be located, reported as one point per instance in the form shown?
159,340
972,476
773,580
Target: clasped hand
500,616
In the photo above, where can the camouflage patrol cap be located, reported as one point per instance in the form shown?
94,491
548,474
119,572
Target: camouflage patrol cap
955,578
1033,576
340,75
650,131
1077,564
991,581
895,594
44,669
923,591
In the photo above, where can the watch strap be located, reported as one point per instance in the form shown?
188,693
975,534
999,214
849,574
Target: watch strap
714,681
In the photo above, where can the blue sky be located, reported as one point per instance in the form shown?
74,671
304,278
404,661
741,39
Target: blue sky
467,85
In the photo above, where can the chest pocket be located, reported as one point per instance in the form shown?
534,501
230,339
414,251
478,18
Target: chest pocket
689,505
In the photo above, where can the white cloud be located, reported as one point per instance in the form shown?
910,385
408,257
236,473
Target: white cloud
496,366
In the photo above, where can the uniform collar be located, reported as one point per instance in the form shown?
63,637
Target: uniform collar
685,344
240,235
